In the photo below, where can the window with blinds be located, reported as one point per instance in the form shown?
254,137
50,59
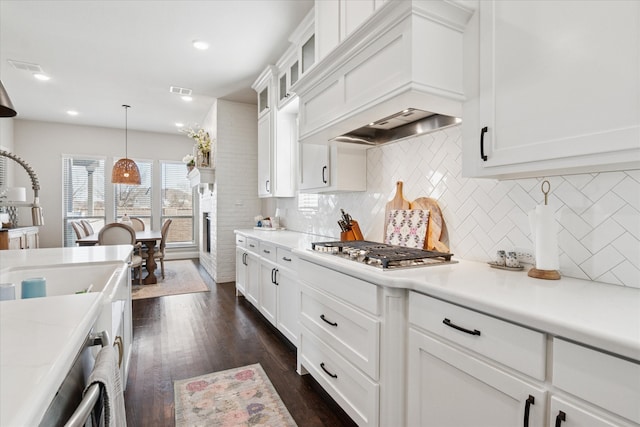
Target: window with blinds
177,203
3,171
84,189
135,200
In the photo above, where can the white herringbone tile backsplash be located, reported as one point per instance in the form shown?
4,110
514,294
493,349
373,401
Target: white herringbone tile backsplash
598,214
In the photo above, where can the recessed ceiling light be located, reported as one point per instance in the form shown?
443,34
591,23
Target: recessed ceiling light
200,45
72,112
42,77
187,98
179,125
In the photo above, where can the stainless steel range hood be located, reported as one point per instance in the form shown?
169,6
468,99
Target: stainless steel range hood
407,123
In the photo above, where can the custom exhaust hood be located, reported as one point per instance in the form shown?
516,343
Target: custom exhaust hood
399,74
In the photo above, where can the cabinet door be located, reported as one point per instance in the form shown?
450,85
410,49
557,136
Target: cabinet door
241,271
565,414
314,166
288,304
253,279
16,241
449,388
32,240
268,300
263,100
264,156
559,87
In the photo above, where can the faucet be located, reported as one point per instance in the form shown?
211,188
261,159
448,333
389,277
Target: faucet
36,210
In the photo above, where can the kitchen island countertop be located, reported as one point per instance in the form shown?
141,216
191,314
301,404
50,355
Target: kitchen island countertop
40,337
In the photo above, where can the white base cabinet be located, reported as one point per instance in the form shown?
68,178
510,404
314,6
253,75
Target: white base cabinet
448,387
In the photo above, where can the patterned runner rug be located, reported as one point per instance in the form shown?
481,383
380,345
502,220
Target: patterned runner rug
235,397
181,277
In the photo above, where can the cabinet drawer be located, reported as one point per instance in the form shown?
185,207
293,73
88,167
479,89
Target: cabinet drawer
361,294
241,241
581,416
352,334
605,380
253,245
356,394
520,348
286,259
267,251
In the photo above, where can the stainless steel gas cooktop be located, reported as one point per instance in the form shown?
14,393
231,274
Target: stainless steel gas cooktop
381,255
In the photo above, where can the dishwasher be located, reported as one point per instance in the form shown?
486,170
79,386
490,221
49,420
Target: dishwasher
68,407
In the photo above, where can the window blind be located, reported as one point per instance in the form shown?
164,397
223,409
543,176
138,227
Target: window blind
177,202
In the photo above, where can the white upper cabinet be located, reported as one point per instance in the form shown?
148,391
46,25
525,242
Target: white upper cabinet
277,137
336,20
332,168
552,88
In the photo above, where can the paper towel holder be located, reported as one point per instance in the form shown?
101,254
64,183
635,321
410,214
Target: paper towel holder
534,272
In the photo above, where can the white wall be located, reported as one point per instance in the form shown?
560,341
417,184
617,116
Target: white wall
42,144
598,214
234,201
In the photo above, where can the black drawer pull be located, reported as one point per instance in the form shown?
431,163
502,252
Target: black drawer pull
560,418
328,373
252,245
482,132
286,259
331,323
527,406
266,251
324,179
460,328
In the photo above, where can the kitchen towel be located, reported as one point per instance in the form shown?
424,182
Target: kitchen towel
407,227
107,374
545,236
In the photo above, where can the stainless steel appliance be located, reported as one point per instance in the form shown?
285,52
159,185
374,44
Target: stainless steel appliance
383,256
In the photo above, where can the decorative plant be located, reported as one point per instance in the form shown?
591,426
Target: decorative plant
189,160
202,138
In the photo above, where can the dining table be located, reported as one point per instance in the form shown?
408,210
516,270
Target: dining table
148,238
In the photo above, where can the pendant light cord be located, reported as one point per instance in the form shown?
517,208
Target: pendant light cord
126,142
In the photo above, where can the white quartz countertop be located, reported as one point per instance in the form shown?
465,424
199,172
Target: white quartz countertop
39,340
40,337
597,314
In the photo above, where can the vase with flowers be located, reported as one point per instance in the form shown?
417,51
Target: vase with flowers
190,161
202,146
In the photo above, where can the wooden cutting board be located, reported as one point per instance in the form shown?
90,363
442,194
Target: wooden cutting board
398,202
435,230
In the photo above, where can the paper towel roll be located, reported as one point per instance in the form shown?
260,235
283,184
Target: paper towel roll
546,239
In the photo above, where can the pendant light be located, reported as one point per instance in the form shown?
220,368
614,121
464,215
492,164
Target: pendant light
6,107
125,171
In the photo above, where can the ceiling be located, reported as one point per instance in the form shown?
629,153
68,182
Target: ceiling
102,54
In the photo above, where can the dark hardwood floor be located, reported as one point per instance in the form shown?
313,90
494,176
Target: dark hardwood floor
183,336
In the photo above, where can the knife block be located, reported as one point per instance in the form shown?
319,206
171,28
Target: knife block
353,234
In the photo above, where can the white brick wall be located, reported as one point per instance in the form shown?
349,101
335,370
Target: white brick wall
598,214
235,199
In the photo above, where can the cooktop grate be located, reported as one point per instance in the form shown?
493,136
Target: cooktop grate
386,256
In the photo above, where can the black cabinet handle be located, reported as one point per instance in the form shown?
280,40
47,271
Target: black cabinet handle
252,245
266,251
560,418
530,401
482,132
273,275
460,328
328,373
244,258
267,186
240,240
331,323
324,179
286,259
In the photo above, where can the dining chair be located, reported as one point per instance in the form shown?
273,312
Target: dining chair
121,234
137,224
159,254
87,227
79,229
